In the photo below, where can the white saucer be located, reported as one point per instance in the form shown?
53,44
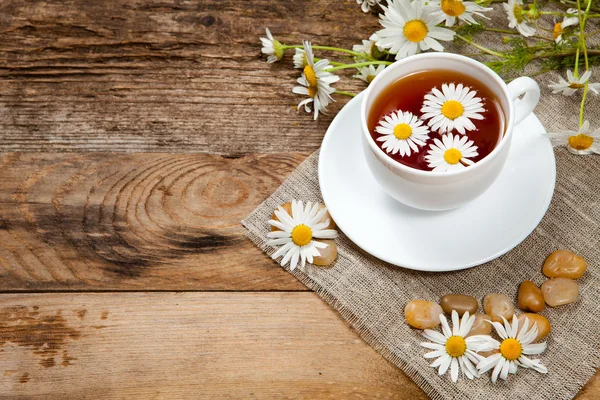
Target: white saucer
478,232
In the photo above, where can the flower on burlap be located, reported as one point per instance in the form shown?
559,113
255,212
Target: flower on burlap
516,344
573,84
296,233
452,349
580,142
516,17
559,27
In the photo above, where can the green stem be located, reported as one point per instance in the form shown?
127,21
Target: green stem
330,62
357,65
328,48
573,3
562,54
345,93
560,14
482,48
576,71
583,45
516,33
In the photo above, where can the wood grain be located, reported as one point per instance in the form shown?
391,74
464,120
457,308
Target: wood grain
162,75
187,345
128,222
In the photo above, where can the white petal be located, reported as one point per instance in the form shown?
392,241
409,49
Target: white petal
454,370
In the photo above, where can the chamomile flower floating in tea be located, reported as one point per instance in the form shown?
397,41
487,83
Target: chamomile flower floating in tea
515,346
408,29
314,82
297,233
452,349
452,153
516,17
572,84
452,108
559,27
271,47
452,11
402,133
369,73
579,142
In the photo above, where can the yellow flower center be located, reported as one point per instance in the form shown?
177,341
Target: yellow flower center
456,346
301,235
558,30
518,13
453,8
402,131
415,30
452,109
576,85
511,349
581,142
370,78
452,156
311,78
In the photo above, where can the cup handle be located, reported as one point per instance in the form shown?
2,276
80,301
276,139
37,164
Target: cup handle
528,87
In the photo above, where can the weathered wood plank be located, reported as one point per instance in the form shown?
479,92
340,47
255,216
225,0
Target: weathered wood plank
140,221
162,75
187,345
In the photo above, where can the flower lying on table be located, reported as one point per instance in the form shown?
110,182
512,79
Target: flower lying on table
578,142
295,228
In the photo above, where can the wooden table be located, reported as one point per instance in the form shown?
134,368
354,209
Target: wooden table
135,136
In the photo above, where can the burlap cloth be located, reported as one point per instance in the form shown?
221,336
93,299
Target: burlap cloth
371,294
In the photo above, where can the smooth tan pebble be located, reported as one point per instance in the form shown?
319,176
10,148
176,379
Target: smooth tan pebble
543,325
481,326
498,305
560,291
460,303
564,264
422,314
328,254
530,297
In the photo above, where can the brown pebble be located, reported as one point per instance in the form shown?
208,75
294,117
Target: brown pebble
498,305
460,303
422,314
530,297
542,323
480,326
489,353
564,264
328,254
560,291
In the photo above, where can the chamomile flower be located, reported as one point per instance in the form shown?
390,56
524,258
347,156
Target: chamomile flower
367,5
452,11
580,142
516,17
315,82
368,48
408,29
369,72
453,349
402,133
515,345
572,84
300,58
452,108
452,153
559,27
298,232
271,47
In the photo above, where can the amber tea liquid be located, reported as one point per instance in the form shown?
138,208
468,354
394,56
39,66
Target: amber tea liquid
407,94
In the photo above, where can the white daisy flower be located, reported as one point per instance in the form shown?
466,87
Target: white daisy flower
369,72
300,58
408,29
271,47
367,5
513,348
559,27
516,17
452,108
452,153
580,142
369,48
572,84
297,233
315,83
402,131
452,11
453,349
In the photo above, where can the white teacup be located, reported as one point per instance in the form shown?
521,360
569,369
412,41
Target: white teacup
436,191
